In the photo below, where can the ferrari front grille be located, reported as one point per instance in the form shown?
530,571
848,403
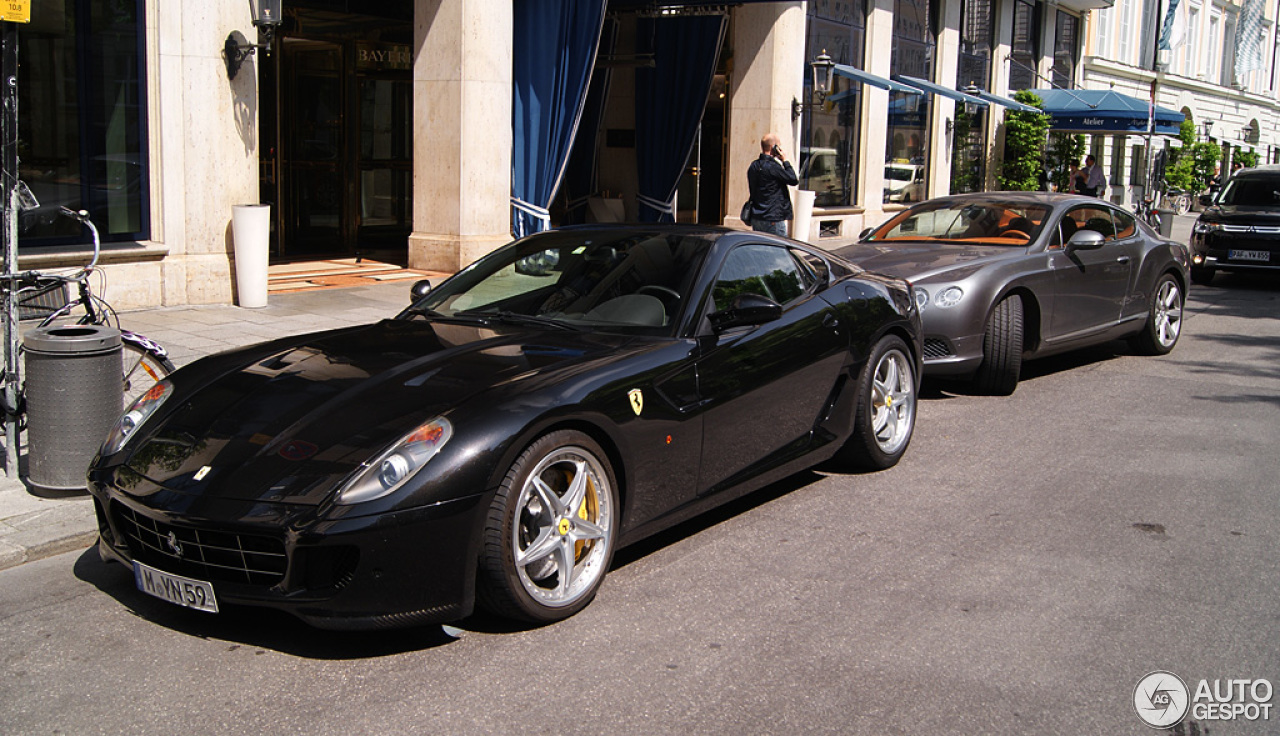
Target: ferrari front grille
203,554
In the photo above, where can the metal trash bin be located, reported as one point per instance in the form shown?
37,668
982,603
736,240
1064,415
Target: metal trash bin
74,393
1166,223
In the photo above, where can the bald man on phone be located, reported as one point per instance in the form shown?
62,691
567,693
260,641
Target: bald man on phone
767,179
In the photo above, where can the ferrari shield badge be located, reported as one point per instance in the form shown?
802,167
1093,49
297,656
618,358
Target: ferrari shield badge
637,400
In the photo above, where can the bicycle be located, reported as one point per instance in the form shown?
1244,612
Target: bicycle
1146,210
1179,200
44,296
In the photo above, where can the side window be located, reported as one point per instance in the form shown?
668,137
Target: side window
1097,219
1125,227
764,270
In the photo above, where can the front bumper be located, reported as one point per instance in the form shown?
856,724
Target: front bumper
946,356
1236,248
401,568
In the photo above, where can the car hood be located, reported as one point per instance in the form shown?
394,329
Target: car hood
287,420
917,261
1232,214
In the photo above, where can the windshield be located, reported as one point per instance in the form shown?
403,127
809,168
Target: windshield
981,223
1252,191
630,280
898,173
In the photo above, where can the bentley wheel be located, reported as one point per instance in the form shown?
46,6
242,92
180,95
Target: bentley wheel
551,531
1164,322
886,415
1001,349
1201,275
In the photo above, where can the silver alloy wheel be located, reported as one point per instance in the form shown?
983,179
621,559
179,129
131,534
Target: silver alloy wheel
563,527
893,401
1168,313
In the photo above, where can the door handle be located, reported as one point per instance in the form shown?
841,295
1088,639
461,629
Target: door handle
830,320
1122,259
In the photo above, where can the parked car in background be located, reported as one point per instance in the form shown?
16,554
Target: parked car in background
498,440
1001,277
903,182
1239,230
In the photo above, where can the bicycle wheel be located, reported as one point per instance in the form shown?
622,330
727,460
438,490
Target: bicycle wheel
142,369
1181,204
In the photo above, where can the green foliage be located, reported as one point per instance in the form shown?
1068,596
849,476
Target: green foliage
1193,166
965,172
1247,159
1063,150
1024,142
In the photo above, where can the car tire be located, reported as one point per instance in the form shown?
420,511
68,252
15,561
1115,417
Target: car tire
1164,318
886,415
1201,275
556,507
1001,349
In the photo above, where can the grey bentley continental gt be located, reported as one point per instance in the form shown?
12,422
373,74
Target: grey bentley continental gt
1001,277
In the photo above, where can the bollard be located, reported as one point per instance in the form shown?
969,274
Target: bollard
74,392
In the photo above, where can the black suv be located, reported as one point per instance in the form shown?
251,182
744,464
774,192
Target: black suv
1240,227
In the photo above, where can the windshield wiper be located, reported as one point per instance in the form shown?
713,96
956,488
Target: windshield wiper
524,320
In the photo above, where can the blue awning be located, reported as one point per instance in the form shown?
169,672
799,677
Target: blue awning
856,74
1104,111
938,89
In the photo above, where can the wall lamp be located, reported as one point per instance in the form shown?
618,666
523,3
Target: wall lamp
822,68
1247,133
1207,127
266,17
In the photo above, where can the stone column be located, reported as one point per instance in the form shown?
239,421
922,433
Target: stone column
875,110
461,131
948,61
768,72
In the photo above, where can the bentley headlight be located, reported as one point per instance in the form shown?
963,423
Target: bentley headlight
922,298
139,411
398,464
949,297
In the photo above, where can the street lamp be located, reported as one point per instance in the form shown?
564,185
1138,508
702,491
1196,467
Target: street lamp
266,18
1247,133
822,68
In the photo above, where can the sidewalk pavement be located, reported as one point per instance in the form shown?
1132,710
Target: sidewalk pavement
32,527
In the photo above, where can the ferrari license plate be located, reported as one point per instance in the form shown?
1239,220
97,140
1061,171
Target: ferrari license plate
185,592
1249,255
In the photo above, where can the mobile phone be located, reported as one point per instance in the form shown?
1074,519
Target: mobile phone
777,151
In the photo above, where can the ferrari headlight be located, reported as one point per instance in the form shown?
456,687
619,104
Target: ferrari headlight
139,411
949,297
392,468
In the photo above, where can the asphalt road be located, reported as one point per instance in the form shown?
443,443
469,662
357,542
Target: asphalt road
1028,562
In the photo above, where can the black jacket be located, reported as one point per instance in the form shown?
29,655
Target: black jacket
767,179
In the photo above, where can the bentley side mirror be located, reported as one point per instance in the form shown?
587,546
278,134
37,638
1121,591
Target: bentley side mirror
1085,240
865,232
419,290
747,310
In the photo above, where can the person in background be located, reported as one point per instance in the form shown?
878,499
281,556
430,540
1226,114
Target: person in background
1075,178
767,179
1095,182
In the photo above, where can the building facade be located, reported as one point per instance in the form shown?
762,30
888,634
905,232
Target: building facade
1219,70
428,131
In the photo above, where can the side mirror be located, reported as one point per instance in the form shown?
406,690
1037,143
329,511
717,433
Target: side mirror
865,232
419,290
746,310
1206,200
1085,240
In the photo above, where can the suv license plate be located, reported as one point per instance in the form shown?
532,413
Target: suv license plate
1249,255
176,589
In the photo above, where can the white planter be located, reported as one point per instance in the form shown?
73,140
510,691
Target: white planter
250,233
802,209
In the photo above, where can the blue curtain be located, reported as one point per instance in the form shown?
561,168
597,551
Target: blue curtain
554,52
580,178
670,98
